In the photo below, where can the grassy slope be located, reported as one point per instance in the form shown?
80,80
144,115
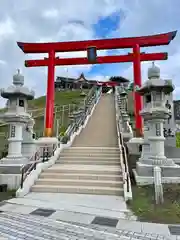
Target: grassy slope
143,204
61,98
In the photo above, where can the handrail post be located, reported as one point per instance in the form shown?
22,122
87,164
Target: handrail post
22,176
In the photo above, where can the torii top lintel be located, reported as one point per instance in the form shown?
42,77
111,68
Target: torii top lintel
100,44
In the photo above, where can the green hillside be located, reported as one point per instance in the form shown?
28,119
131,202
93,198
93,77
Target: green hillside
69,99
61,98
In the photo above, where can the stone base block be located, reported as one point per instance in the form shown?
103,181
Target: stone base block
47,142
127,136
134,145
14,161
147,180
10,169
12,180
148,170
28,148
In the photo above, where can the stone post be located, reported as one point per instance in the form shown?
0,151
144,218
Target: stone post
145,145
158,185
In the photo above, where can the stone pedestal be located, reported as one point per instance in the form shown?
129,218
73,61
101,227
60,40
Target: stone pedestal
47,142
28,148
134,145
145,151
168,171
29,142
15,143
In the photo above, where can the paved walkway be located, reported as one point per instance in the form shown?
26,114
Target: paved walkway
90,212
104,206
19,227
41,224
101,129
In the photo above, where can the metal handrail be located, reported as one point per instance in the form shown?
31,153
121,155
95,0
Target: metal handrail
25,170
123,149
124,159
36,158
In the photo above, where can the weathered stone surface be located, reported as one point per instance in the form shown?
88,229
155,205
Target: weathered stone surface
16,226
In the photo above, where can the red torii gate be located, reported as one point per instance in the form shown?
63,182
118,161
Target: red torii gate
101,44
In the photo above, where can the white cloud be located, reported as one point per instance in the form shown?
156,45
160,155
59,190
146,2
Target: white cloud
7,28
59,20
2,62
51,13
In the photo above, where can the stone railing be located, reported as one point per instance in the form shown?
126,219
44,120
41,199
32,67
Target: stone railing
123,116
122,148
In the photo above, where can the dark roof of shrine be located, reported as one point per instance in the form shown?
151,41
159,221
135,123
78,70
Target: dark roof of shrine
82,78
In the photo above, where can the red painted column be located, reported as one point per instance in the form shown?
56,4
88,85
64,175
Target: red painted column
49,120
137,83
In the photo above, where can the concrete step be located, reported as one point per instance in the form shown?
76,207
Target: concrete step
92,150
88,162
90,154
79,182
79,189
87,157
83,169
81,176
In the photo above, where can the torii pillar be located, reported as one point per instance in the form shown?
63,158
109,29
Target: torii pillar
137,84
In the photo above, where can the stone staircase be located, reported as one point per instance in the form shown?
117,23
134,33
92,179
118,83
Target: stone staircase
84,170
92,164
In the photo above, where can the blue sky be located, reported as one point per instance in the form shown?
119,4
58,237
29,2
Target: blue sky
103,29
71,20
107,25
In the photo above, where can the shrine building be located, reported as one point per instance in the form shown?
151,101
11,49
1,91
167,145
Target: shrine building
65,83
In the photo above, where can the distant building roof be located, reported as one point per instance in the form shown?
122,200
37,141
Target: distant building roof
65,79
82,78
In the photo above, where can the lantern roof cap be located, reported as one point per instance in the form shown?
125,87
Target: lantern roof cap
153,71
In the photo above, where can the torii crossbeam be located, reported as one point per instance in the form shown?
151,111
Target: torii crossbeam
101,44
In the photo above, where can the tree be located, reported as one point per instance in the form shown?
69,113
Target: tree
118,79
131,86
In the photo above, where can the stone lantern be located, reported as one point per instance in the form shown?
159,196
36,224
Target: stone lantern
17,118
154,113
